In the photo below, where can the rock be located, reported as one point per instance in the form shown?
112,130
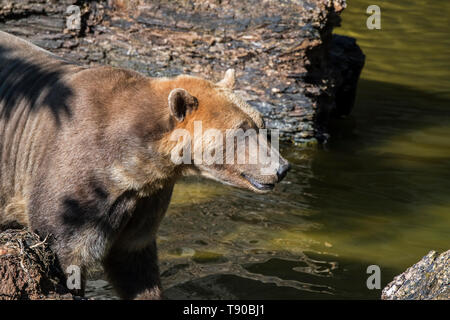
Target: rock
28,268
429,279
288,63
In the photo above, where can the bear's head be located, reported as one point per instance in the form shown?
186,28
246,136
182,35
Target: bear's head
190,126
214,133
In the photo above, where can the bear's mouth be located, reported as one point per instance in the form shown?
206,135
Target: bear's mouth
258,185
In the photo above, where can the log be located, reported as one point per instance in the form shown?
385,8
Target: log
289,65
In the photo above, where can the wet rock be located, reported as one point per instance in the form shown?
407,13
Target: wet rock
28,268
429,279
288,63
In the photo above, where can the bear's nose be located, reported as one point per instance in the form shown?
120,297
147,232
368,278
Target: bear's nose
282,170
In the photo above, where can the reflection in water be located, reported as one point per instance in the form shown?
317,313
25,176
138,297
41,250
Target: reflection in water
377,194
412,47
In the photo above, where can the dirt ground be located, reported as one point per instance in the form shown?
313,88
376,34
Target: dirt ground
28,268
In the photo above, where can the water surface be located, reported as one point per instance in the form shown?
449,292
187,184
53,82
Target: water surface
379,193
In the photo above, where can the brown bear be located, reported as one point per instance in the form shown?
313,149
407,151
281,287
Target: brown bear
86,156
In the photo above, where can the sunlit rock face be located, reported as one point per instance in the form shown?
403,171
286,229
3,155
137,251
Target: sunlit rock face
28,268
428,279
288,65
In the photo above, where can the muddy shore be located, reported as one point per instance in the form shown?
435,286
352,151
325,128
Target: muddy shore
28,268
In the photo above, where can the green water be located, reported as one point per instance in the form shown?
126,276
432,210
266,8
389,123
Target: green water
379,193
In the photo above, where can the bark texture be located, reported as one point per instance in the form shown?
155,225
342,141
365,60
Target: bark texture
288,63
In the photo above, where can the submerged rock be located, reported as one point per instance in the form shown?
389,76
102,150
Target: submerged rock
28,268
429,279
288,64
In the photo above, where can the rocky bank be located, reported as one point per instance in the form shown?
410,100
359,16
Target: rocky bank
428,279
288,63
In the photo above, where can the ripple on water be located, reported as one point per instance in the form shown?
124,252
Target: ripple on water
377,194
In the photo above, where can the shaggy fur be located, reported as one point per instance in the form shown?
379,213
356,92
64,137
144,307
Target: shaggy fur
85,156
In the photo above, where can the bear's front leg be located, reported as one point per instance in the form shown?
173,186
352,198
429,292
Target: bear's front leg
72,266
134,274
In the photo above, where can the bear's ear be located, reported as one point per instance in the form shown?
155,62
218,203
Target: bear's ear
181,102
229,80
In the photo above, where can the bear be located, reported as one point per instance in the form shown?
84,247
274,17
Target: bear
87,157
